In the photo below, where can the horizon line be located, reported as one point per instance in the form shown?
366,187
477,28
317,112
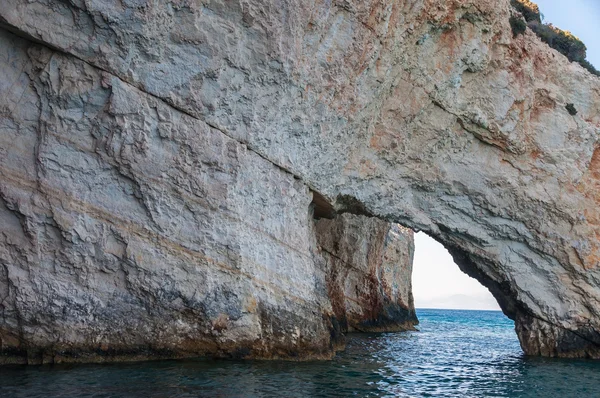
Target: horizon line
457,309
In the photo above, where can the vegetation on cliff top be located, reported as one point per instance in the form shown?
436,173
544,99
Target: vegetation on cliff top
561,40
530,11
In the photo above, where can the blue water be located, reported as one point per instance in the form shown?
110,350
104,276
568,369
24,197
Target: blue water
455,354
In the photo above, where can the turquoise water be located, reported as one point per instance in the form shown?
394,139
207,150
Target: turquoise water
456,354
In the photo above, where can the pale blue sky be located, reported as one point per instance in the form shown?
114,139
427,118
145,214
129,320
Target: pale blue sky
437,281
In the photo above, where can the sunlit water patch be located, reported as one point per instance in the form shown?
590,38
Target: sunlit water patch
455,353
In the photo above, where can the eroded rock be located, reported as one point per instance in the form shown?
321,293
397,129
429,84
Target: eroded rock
427,113
131,230
369,268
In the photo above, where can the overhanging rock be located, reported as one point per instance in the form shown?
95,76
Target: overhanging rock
427,113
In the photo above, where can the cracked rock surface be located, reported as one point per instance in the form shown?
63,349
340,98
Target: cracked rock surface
132,230
426,113
369,268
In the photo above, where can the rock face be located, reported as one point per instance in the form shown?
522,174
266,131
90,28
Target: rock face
192,132
130,229
369,267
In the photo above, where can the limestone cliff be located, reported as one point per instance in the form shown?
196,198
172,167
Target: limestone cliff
188,133
369,267
131,230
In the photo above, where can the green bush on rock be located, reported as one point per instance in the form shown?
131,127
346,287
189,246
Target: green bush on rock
561,40
587,65
517,25
530,10
571,109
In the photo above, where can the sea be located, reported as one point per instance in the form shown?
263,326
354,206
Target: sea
455,353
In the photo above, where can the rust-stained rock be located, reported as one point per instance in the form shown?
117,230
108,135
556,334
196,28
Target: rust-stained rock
369,267
169,148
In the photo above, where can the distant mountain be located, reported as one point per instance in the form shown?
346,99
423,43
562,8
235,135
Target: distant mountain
459,302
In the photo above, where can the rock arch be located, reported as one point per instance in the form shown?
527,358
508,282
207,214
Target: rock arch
426,113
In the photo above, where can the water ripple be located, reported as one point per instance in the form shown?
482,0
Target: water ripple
456,354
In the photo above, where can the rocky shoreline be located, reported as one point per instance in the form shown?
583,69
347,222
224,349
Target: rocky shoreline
226,178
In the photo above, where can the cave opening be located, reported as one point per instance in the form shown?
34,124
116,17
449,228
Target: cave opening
438,282
383,277
456,312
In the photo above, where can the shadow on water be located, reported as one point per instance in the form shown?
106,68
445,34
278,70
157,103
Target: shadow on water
455,353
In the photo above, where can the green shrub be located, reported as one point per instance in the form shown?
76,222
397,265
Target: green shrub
561,40
517,25
571,109
586,64
530,10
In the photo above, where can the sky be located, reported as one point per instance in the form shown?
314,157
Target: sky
437,281
581,17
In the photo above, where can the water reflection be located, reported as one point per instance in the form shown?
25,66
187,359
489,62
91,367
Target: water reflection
456,353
